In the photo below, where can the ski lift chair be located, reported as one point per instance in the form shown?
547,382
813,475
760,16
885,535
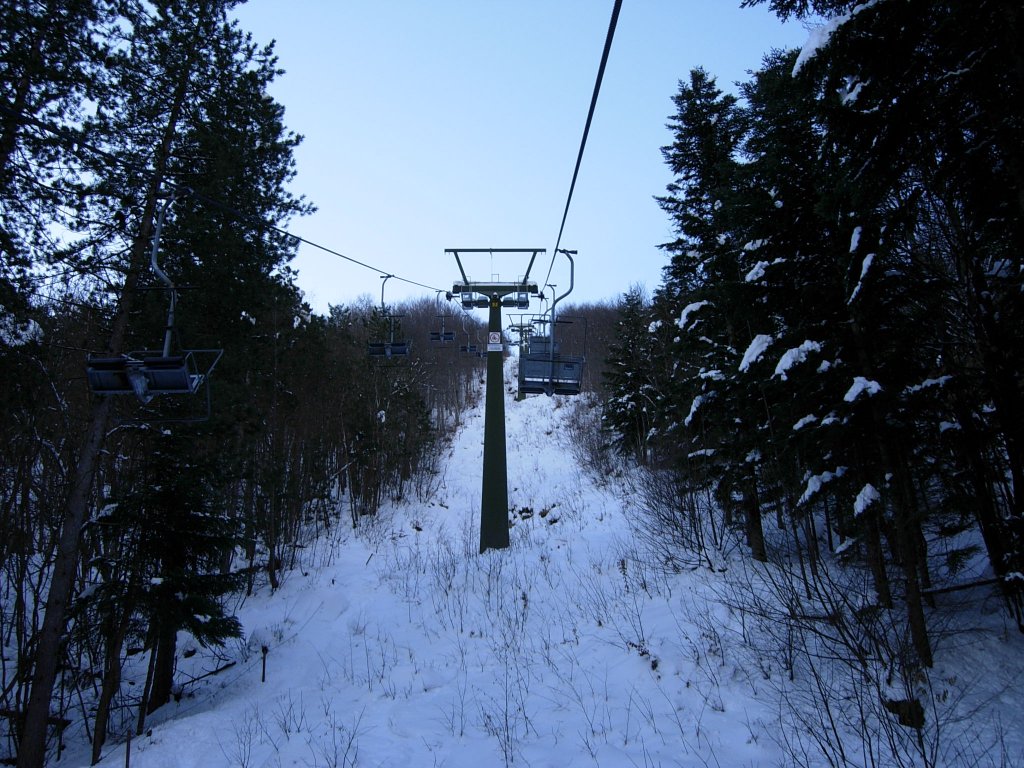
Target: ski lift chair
470,349
442,335
380,348
388,349
543,369
147,373
517,300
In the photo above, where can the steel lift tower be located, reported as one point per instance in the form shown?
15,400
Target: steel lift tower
493,296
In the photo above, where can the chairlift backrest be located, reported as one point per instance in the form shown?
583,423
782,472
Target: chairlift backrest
542,373
442,336
379,349
542,345
149,374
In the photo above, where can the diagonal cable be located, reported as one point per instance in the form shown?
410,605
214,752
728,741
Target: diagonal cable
586,128
75,143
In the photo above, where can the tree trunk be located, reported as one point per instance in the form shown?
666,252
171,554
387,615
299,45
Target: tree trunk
163,667
876,558
32,749
907,538
144,701
755,531
111,683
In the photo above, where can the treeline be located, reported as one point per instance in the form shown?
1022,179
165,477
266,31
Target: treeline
587,329
123,522
833,360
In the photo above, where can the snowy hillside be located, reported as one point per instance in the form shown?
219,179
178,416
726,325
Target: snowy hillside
399,645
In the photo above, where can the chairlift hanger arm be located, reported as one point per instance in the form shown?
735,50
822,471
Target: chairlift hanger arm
157,231
173,301
385,278
572,278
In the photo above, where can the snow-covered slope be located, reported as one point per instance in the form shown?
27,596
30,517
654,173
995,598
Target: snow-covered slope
399,645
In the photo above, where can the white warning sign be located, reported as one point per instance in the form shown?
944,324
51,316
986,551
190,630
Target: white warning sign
494,341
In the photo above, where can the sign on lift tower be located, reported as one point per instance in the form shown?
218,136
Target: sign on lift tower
494,295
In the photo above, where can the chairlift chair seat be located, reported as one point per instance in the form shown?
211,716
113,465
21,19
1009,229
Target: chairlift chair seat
144,374
171,375
541,373
387,348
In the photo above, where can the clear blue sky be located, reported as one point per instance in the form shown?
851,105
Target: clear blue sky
433,124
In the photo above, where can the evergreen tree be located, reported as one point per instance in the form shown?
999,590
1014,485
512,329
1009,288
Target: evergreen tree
710,304
170,63
707,128
629,378
183,534
924,99
49,63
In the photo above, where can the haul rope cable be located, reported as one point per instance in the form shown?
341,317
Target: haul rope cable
299,239
586,129
72,142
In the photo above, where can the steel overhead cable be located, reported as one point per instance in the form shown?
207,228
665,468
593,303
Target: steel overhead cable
74,143
586,129
244,217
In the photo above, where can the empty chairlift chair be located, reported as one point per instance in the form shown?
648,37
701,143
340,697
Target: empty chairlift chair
149,373
469,349
443,335
145,374
388,347
543,370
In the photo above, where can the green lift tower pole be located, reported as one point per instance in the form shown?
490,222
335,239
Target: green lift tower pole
494,496
494,295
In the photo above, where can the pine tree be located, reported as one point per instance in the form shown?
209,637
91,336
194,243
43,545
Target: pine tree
50,63
922,97
710,304
173,58
184,533
630,378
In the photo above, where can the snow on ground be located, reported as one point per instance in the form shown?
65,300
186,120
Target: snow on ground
400,645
